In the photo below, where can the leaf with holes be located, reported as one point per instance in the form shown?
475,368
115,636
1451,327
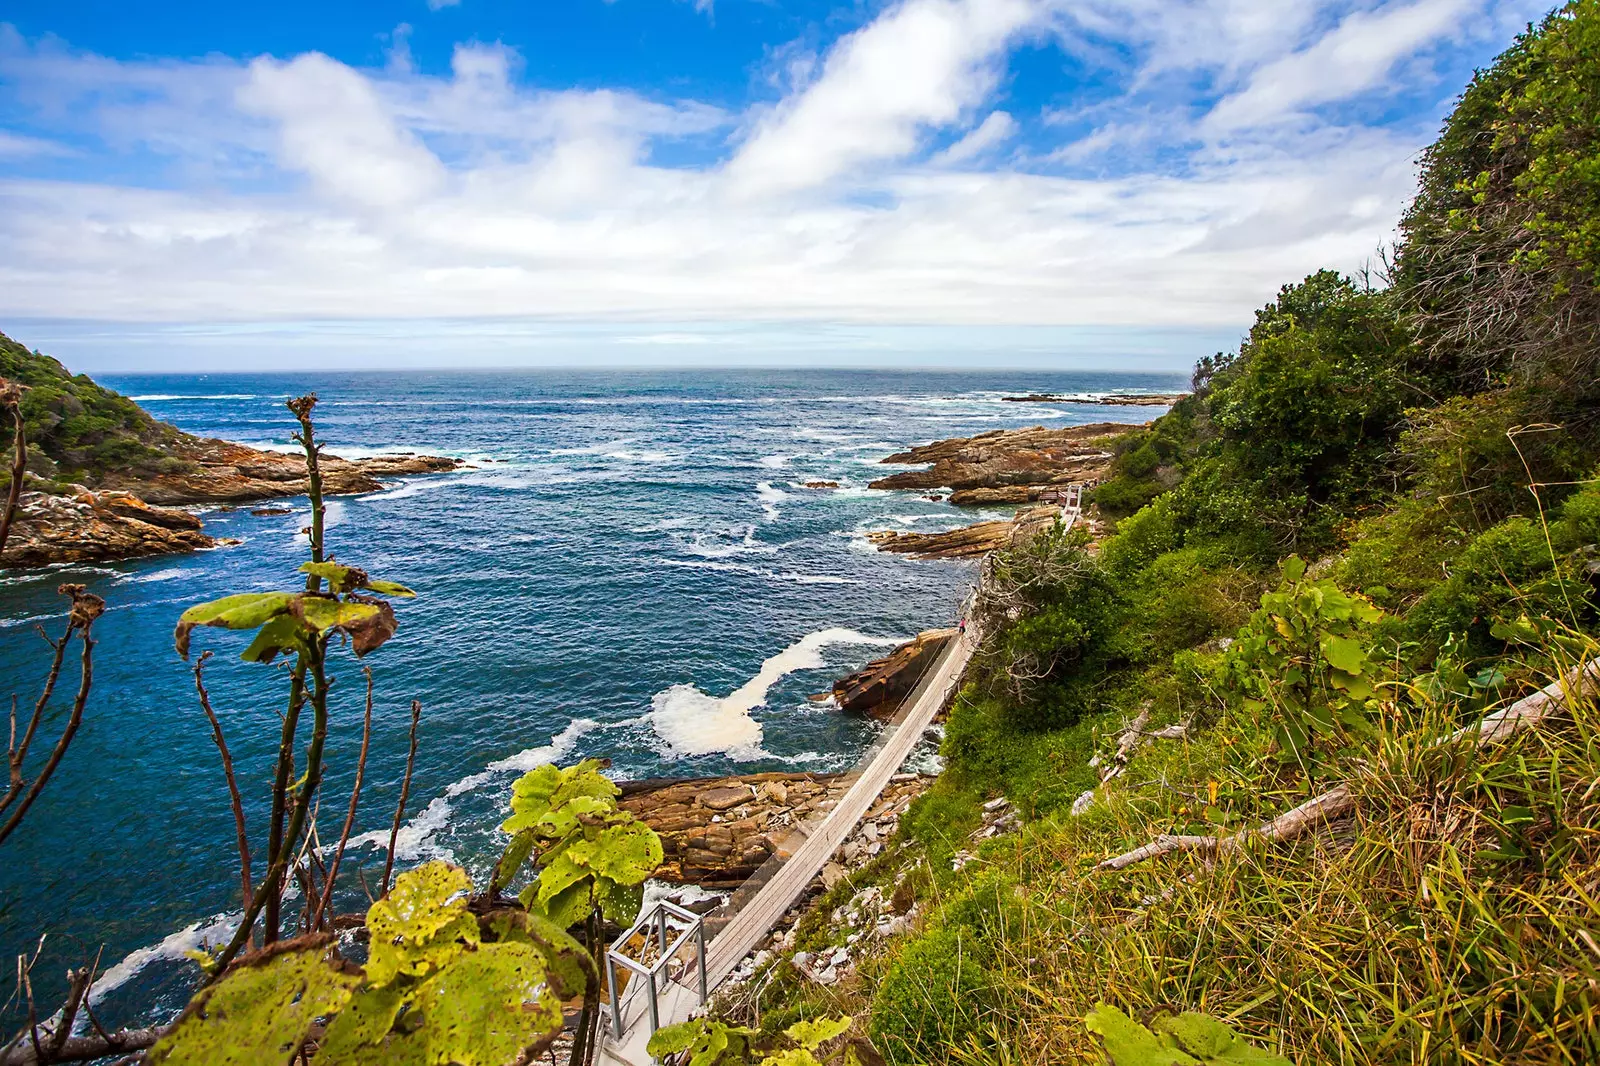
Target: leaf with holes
489,1007
627,853
422,924
260,1012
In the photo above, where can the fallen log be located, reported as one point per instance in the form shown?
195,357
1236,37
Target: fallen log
1579,682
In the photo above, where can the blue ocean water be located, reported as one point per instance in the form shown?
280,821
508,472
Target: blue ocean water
631,567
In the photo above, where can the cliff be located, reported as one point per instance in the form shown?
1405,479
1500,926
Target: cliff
877,689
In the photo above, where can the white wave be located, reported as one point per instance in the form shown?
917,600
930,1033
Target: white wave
769,498
748,545
159,575
496,479
690,722
332,515
629,456
816,579
206,932
663,526
415,841
708,564
776,462
162,396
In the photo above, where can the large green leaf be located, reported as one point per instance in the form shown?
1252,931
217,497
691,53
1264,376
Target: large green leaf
618,902
284,633
244,611
259,1013
511,860
489,1007
1344,654
814,1033
1210,1040
341,578
421,925
1130,1044
627,853
352,1035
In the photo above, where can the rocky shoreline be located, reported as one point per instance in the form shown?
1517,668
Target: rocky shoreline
1116,399
135,517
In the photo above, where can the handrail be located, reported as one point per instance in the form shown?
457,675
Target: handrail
655,917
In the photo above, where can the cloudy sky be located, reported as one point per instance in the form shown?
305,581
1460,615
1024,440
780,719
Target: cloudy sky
434,182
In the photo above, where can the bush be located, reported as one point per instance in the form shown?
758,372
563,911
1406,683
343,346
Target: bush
933,998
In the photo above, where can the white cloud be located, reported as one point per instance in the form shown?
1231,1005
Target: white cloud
924,63
303,188
440,5
994,131
1355,57
18,146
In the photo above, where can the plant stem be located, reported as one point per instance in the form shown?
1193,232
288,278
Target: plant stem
11,400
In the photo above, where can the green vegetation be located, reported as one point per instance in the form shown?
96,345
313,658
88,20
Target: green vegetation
81,432
1373,524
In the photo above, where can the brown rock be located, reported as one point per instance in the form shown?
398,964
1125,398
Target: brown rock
821,484
91,527
721,799
968,542
877,689
1002,458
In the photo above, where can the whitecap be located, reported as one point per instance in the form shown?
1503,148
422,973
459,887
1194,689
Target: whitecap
769,498
776,462
415,841
159,575
206,932
156,397
690,722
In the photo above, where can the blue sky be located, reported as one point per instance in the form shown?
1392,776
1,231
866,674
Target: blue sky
944,182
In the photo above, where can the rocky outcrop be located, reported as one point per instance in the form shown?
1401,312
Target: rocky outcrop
91,526
1115,399
716,832
217,471
1008,459
877,689
138,516
968,542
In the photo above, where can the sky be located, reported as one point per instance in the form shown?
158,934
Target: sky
1039,183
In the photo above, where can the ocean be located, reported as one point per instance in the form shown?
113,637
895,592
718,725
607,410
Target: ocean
632,567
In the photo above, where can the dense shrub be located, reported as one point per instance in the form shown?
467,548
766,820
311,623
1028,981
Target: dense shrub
933,999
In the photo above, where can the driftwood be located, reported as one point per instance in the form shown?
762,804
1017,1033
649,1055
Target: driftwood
1581,681
84,1048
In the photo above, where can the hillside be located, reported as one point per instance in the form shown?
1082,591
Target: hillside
105,479
79,431
1239,731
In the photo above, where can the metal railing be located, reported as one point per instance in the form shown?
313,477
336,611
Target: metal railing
653,923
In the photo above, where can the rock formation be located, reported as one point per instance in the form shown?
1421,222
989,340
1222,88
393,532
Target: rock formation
877,689
91,526
217,471
716,832
968,542
1008,459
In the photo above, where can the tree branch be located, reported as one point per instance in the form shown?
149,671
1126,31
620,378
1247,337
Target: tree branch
227,770
405,793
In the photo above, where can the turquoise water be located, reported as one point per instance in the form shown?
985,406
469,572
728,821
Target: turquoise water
632,568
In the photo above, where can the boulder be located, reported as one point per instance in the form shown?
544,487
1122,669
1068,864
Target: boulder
1008,458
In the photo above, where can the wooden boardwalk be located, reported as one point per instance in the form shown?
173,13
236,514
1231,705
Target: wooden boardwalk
745,929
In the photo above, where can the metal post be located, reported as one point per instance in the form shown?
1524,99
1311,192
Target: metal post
655,1015
661,928
700,935
616,1008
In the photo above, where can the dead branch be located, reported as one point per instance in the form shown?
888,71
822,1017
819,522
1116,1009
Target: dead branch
405,793
325,906
17,753
227,770
86,607
86,1048
1581,681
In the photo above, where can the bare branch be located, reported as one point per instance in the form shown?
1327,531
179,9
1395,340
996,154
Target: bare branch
405,793
227,770
324,908
86,607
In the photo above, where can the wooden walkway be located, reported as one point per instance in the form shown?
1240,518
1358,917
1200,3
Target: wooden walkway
745,929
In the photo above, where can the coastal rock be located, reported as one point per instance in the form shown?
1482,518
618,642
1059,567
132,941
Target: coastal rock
877,689
716,832
1007,458
968,542
217,471
89,527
